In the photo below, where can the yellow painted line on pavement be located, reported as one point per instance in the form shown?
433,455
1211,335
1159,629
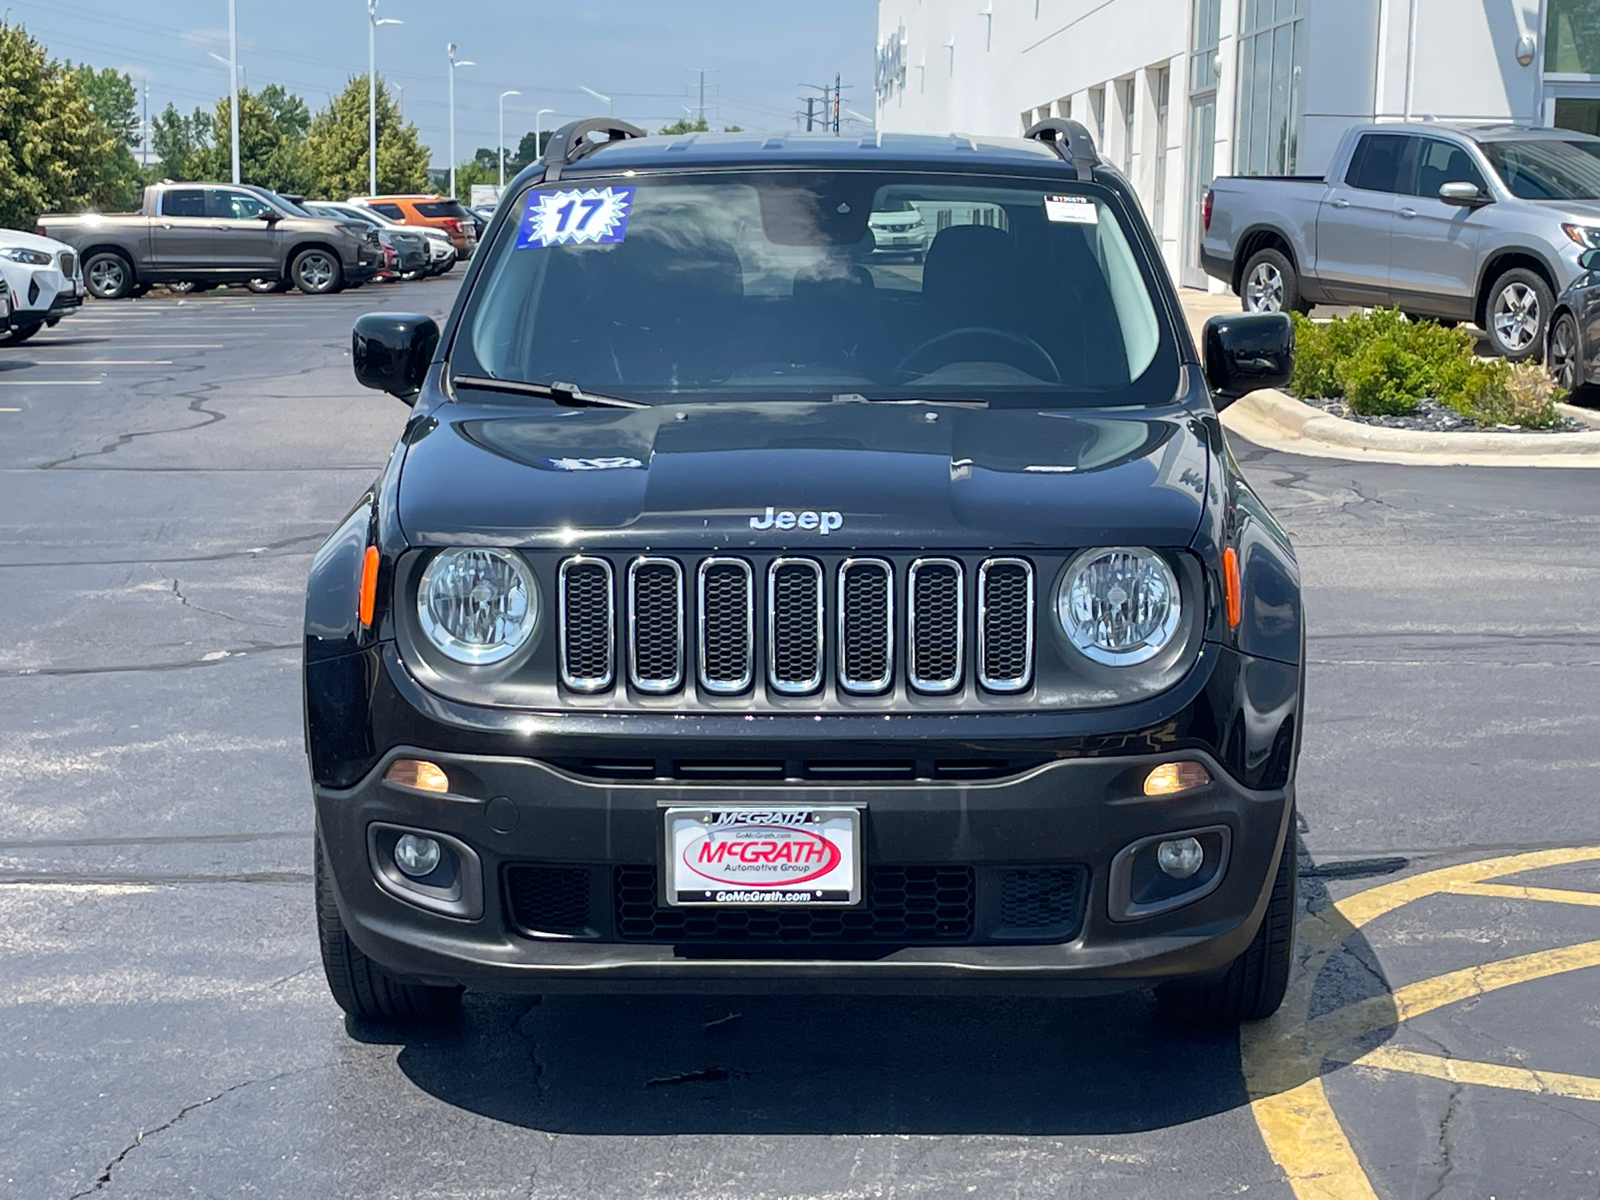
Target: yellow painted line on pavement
1460,1070
1283,1056
1517,891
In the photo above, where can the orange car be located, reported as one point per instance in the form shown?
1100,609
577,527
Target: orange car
439,212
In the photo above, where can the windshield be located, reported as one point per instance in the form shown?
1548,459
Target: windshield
1548,170
282,202
340,212
775,286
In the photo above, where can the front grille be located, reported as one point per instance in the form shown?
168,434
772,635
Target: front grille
655,624
69,263
905,906
587,636
1042,898
866,625
776,611
937,616
1005,624
794,626
548,899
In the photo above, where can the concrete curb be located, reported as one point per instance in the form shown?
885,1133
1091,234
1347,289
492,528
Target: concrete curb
1280,422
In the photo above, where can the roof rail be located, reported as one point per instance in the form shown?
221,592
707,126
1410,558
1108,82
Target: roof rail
1070,140
571,142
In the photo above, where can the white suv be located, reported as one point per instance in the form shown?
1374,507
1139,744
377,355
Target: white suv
45,280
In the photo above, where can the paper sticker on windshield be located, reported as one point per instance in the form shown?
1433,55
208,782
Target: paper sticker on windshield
1071,210
575,217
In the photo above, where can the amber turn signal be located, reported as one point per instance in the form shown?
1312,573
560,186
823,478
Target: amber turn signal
369,585
1231,586
1170,778
417,773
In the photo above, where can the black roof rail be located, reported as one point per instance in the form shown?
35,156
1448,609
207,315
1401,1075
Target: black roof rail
1070,139
571,142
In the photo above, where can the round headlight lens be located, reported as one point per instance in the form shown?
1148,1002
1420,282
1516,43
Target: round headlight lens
1119,606
478,606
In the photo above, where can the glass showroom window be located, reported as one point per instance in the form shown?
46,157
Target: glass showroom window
1572,37
1271,49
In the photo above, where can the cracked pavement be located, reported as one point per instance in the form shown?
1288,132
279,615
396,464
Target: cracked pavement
165,1030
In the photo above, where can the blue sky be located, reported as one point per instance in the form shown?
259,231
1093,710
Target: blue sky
636,51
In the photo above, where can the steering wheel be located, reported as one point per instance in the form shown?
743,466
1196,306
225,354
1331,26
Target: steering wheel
1020,350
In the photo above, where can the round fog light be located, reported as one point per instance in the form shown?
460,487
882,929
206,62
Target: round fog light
1180,857
418,856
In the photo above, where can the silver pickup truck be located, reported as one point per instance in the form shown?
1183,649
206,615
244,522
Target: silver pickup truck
211,233
1482,224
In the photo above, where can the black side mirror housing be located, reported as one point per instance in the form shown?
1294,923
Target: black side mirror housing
271,216
391,352
1247,351
1589,260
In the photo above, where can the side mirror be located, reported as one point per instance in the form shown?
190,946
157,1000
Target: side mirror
1246,351
1463,194
1589,260
391,352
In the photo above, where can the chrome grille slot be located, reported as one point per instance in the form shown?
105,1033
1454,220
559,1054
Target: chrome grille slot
936,620
727,606
1005,624
588,635
655,625
866,625
794,626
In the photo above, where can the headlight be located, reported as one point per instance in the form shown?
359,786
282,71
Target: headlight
478,606
1584,235
1119,606
36,258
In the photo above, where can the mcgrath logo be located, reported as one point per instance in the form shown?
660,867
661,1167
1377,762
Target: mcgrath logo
825,522
761,856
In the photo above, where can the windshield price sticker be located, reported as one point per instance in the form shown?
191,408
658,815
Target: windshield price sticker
1071,210
574,217
763,856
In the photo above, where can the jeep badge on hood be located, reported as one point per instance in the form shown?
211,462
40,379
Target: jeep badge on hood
808,518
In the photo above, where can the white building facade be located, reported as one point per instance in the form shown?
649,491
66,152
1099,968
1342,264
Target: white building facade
1176,92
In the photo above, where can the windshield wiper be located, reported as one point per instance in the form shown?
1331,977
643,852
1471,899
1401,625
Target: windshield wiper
858,398
568,395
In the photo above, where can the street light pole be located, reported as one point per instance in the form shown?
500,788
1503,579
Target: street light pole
233,86
373,22
503,96
538,132
610,111
450,50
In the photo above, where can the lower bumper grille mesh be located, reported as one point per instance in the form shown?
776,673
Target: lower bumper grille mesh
548,899
1042,898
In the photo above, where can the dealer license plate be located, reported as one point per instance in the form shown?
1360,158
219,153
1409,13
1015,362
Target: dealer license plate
768,856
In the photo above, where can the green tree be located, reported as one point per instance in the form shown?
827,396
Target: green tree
529,150
684,125
336,146
51,143
178,141
271,153
475,170
289,112
117,179
733,129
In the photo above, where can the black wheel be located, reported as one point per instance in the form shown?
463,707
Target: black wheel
316,272
18,334
1253,985
181,287
1516,313
108,275
1442,322
1270,284
360,986
1563,357
266,287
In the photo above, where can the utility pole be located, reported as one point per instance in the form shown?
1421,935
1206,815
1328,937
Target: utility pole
836,105
145,124
233,86
703,72
823,99
373,21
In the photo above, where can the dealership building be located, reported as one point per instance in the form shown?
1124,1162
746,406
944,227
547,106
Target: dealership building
1178,91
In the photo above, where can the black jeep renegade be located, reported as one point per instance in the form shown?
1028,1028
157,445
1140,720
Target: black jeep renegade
745,609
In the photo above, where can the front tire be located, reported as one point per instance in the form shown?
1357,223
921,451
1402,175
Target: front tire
18,334
1270,284
267,287
108,276
1253,986
360,986
1516,314
1564,358
316,272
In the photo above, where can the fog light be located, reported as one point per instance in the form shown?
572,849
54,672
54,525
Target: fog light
418,856
1179,858
418,773
1173,777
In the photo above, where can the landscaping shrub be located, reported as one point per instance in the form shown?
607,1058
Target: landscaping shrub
1380,363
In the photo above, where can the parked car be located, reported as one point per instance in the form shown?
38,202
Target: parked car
410,245
44,280
1483,224
207,234
899,230
863,628
437,212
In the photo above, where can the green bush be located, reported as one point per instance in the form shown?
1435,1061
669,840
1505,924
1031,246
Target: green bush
1380,363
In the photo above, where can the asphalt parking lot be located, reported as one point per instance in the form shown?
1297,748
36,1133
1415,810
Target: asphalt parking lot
170,465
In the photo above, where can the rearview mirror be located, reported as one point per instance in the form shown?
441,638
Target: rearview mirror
391,352
1247,351
1462,193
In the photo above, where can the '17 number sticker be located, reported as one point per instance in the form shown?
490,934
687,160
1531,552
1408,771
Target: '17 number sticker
560,218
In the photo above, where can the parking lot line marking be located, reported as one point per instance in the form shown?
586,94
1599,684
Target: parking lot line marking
10,410
50,382
1461,1070
1517,891
1305,1138
107,362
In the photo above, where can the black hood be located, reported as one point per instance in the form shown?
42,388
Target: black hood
874,475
